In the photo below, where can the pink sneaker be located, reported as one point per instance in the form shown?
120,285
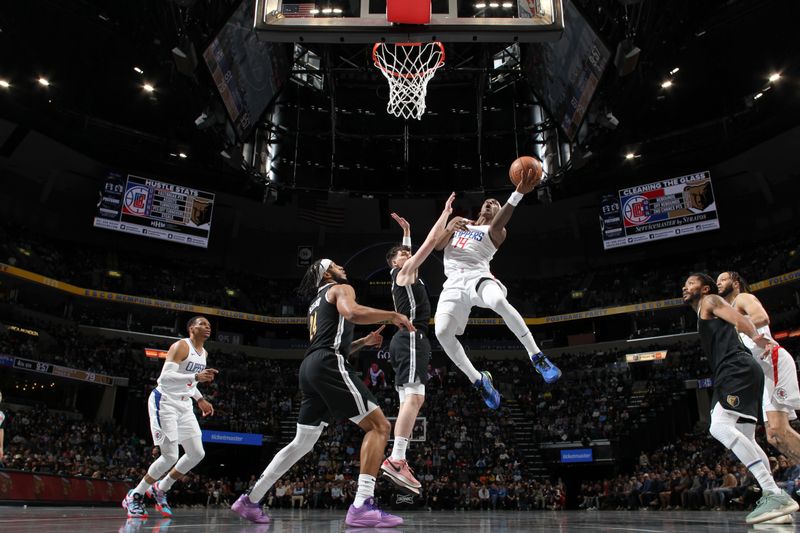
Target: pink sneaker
370,515
401,475
249,510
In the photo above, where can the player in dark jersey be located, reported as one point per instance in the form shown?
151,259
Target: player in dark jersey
410,352
738,386
330,389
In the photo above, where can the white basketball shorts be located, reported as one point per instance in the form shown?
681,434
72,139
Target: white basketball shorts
172,419
781,392
460,294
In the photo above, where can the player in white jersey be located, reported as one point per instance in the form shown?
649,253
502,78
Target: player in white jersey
172,419
781,391
468,251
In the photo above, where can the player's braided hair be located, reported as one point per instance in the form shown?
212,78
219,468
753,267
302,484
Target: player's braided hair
310,282
737,278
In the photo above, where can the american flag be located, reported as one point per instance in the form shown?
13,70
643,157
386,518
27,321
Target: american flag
319,211
298,10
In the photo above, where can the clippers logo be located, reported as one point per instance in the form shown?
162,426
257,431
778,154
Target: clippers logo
157,435
732,400
781,394
136,200
637,210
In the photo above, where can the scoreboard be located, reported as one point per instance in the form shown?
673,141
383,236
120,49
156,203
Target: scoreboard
156,209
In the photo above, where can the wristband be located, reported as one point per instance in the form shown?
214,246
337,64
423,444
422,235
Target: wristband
515,198
407,241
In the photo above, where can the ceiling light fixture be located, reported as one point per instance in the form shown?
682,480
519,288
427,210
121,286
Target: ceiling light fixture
314,11
148,88
674,71
494,4
327,11
44,82
507,4
775,76
138,70
757,96
4,84
480,5
630,155
667,84
182,155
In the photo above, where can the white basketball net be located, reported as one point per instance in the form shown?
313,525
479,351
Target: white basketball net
408,67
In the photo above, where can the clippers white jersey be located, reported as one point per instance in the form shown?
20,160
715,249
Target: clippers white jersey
469,253
195,362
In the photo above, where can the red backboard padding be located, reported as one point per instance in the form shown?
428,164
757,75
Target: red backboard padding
408,11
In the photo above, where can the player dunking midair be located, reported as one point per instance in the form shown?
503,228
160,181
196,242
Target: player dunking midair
468,251
781,392
738,386
172,419
410,351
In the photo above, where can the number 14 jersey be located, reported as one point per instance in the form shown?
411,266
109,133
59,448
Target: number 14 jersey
469,253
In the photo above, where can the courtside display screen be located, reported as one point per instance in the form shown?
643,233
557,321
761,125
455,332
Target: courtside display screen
658,210
156,209
577,455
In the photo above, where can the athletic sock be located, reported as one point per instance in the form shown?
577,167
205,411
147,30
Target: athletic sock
142,487
166,482
366,489
399,449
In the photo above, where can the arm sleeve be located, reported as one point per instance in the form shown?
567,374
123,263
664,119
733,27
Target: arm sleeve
171,376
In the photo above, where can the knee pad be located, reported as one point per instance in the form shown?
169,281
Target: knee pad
306,437
169,453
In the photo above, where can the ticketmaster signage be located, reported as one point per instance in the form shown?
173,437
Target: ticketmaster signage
578,455
227,437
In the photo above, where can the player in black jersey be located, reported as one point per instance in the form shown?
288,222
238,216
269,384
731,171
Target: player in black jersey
410,351
330,389
738,387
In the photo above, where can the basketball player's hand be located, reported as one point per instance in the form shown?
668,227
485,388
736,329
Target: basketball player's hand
448,205
458,224
207,375
403,222
528,182
205,407
402,322
374,338
765,343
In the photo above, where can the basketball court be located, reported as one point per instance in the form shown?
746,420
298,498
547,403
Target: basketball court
35,519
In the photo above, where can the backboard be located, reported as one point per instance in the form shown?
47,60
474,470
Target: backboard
364,21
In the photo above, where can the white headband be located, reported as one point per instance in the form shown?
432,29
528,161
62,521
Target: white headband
324,265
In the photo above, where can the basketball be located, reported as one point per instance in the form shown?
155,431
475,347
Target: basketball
521,166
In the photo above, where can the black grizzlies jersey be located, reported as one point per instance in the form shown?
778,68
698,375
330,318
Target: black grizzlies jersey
326,327
720,341
412,301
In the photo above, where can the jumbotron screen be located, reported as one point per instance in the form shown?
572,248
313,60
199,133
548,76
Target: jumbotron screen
155,209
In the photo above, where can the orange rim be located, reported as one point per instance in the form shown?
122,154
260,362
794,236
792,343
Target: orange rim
407,75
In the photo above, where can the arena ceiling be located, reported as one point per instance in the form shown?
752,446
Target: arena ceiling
721,100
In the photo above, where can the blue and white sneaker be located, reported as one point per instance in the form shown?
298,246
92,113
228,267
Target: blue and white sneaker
160,497
134,504
489,394
548,370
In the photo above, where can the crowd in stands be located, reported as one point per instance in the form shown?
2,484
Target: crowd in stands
89,267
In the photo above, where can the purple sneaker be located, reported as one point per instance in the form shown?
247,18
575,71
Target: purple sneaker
249,510
370,515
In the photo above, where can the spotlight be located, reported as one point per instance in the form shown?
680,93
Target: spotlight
630,155
674,71
667,84
775,76
327,11
182,155
757,96
494,4
4,84
480,5
507,4
148,88
337,11
314,11
138,70
44,82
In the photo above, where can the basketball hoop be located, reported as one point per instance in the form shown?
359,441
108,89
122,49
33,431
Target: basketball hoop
408,67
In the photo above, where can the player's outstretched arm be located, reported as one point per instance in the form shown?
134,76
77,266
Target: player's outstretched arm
497,227
406,229
748,304
344,297
408,273
718,307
